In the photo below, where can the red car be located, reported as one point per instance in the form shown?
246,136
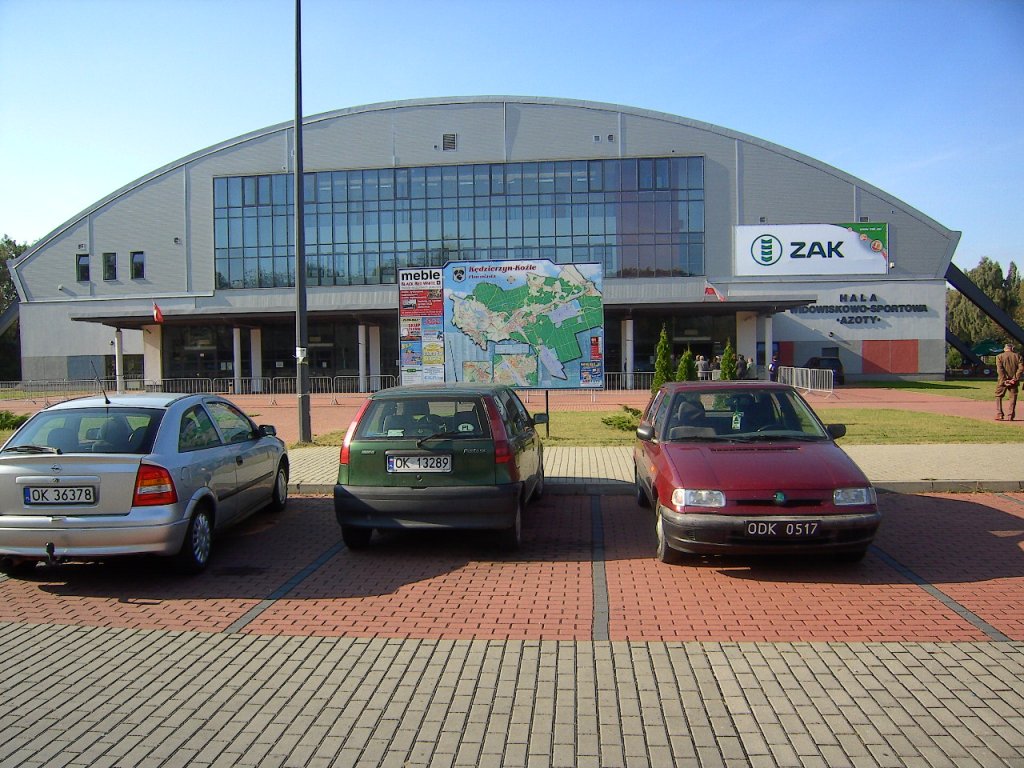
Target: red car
745,468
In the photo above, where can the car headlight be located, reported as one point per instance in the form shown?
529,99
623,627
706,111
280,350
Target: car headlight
847,497
690,497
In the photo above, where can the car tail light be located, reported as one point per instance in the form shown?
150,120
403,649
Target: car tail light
343,456
502,448
153,487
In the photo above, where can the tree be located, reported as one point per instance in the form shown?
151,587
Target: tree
728,362
10,342
967,321
8,250
687,370
662,361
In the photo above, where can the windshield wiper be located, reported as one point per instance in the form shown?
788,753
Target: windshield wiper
700,439
755,437
32,449
435,436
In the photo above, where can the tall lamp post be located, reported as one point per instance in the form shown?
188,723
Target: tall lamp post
301,329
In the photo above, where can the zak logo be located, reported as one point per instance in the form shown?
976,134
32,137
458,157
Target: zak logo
766,250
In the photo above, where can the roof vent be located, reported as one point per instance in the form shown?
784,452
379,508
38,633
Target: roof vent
449,142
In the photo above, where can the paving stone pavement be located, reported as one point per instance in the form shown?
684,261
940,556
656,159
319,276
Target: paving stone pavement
114,697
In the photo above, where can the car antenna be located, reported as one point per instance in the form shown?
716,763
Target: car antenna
100,382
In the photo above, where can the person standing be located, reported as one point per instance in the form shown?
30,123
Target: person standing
1009,369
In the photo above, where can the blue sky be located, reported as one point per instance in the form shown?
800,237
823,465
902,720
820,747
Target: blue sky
921,98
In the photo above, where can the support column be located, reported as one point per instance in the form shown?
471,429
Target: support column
628,350
119,360
374,355
256,359
152,357
236,365
361,355
768,341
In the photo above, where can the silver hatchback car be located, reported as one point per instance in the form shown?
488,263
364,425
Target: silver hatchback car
113,475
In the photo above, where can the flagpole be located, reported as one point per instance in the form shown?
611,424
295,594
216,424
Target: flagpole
301,328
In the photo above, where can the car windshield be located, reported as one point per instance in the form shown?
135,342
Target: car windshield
88,430
424,416
749,413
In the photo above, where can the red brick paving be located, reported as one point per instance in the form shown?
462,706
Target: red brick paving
459,585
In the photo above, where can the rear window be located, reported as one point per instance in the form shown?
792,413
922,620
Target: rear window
90,430
423,416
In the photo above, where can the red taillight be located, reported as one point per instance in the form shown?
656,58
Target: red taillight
153,487
502,448
343,456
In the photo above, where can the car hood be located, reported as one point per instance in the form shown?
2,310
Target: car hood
784,464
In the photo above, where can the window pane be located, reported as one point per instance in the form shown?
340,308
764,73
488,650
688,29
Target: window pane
220,193
110,266
138,265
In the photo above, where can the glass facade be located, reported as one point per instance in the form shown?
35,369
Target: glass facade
639,217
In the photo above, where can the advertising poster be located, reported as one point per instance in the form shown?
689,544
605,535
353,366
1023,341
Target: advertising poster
812,249
421,324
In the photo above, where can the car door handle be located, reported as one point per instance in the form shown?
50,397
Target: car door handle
238,460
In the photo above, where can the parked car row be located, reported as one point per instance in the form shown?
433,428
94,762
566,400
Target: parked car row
728,468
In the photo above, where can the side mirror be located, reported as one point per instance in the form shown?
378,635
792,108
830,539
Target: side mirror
540,418
267,430
836,431
645,432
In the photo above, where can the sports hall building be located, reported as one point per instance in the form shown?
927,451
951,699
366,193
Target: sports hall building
716,235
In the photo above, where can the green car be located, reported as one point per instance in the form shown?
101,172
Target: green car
439,456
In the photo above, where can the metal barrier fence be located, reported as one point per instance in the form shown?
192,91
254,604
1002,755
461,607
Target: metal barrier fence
809,379
56,390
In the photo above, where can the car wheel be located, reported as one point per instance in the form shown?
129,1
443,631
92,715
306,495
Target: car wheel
356,537
16,569
538,489
851,557
665,553
195,550
512,537
641,495
279,498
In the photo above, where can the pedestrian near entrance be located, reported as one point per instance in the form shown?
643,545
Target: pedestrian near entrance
773,369
1009,369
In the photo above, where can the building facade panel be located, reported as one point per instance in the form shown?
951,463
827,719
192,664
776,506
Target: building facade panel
780,190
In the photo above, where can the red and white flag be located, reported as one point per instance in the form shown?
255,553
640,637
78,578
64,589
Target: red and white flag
710,290
158,316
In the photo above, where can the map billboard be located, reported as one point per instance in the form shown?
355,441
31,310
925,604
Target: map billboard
524,323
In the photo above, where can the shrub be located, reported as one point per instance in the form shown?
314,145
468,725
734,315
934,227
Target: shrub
687,370
627,421
9,420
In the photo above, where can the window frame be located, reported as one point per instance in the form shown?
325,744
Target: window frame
109,267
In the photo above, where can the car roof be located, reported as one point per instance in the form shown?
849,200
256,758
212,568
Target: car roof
140,400
723,384
457,389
